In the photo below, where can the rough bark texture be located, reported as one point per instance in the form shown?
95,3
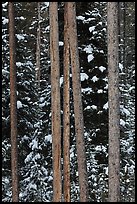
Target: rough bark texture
66,112
13,105
55,101
38,48
113,95
78,109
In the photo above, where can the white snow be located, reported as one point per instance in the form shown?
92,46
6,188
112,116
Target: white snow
83,76
41,99
121,67
42,105
106,170
32,186
22,18
5,21
48,138
88,107
34,144
88,49
4,4
19,104
18,64
105,106
100,91
92,28
122,122
61,43
61,81
90,57
28,158
126,111
131,88
94,79
94,107
80,18
101,68
46,4
89,90
47,28
20,37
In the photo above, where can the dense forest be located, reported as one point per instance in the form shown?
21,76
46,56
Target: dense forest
34,77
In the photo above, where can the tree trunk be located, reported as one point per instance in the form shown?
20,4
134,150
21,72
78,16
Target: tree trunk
66,112
38,48
55,101
78,109
113,97
13,105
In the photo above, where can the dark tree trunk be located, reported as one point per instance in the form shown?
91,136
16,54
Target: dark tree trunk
78,109
55,101
66,111
13,105
113,97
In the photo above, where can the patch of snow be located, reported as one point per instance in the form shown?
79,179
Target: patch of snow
90,57
34,144
88,49
92,28
19,104
94,107
4,4
48,138
80,18
105,106
20,37
18,64
121,67
83,76
42,105
61,81
41,99
122,122
100,91
61,43
5,21
89,90
94,79
22,18
101,68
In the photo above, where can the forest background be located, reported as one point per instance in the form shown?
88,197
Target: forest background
34,101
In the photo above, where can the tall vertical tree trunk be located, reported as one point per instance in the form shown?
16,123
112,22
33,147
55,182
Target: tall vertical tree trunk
55,101
78,109
113,97
13,105
38,48
66,111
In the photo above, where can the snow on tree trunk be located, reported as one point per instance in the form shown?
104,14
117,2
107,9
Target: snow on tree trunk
78,109
113,95
13,105
55,101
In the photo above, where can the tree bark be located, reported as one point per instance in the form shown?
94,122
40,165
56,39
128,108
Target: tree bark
13,105
66,111
78,109
113,97
38,48
55,101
